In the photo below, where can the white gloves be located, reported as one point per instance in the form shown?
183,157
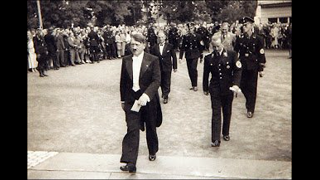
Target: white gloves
235,89
144,98
261,73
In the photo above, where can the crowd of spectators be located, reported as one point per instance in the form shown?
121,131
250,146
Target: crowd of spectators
71,46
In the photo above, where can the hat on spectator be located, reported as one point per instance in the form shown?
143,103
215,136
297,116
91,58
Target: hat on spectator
246,19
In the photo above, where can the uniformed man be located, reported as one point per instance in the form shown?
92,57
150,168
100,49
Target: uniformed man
173,36
204,34
193,51
94,44
251,54
225,69
108,40
41,50
151,36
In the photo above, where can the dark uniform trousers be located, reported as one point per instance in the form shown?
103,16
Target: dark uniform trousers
192,70
248,86
130,143
226,72
218,102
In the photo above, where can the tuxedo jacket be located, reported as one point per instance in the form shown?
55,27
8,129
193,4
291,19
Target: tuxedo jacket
149,82
167,58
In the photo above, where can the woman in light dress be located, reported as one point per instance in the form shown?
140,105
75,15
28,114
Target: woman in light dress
119,44
32,57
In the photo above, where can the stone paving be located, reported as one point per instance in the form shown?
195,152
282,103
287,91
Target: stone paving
37,157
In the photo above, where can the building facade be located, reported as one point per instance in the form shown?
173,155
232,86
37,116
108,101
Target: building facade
274,12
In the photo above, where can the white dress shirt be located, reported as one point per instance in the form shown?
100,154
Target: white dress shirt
136,66
161,48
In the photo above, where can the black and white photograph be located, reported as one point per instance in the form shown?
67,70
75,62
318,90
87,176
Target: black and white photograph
159,89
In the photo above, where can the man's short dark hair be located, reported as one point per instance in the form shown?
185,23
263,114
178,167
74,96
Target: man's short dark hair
139,37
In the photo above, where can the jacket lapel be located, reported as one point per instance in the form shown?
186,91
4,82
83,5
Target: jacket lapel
158,50
164,49
144,65
129,67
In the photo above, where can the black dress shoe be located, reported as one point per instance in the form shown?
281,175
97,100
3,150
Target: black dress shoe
226,138
194,88
249,114
129,167
165,101
216,143
152,157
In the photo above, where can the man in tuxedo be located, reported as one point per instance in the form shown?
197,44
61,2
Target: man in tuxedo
139,84
168,61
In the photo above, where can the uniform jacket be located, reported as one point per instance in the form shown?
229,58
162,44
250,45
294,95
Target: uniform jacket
225,72
191,46
251,51
51,43
167,59
93,38
150,78
40,46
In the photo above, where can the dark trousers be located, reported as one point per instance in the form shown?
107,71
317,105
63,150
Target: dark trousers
66,61
94,50
248,85
130,143
192,71
60,58
218,102
109,51
53,57
42,63
165,83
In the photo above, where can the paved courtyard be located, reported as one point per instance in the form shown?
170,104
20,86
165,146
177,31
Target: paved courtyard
77,110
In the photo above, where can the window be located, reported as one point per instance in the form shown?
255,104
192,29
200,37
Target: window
272,20
283,20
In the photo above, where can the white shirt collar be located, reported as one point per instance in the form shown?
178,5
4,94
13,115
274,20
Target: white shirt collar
221,52
139,57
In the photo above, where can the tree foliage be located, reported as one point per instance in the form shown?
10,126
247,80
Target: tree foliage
65,13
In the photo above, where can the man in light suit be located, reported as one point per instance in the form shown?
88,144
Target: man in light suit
168,61
139,84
